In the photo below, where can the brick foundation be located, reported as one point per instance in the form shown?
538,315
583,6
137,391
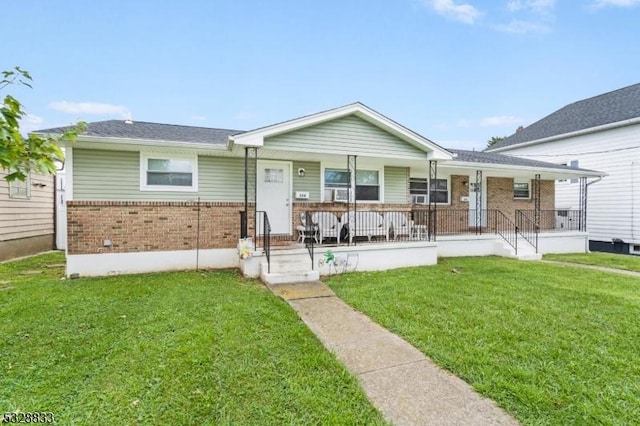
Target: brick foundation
141,226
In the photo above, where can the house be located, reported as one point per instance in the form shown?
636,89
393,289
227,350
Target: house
26,216
602,132
148,196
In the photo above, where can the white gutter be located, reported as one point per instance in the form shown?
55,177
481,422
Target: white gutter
582,132
147,142
509,167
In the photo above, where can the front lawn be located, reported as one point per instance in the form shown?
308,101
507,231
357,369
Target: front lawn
170,348
608,260
551,344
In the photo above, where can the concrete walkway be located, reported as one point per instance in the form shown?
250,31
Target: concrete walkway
407,387
594,267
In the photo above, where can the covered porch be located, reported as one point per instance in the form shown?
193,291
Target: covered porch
350,176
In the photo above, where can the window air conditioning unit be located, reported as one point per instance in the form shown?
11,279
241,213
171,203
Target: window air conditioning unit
419,199
342,195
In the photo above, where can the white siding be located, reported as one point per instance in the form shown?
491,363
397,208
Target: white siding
613,205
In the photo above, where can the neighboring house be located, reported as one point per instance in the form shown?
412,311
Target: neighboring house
147,196
602,132
26,216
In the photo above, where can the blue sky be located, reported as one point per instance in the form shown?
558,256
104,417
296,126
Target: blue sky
456,71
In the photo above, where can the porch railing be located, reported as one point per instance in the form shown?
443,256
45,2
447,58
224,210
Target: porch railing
505,228
560,219
262,236
527,228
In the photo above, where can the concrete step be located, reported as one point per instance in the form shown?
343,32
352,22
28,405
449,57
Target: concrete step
289,277
525,250
290,266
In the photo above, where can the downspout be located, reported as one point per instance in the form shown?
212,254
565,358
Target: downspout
55,211
586,191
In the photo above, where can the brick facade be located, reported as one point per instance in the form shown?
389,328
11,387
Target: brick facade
139,226
500,196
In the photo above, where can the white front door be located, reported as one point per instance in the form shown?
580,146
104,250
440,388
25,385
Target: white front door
473,194
274,194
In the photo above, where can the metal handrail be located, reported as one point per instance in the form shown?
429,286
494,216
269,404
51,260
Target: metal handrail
527,228
310,231
505,228
266,235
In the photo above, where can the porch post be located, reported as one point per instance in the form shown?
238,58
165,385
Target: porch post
582,223
352,168
478,190
536,213
433,206
243,215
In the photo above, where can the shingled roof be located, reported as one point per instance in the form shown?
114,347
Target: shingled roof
508,160
153,131
612,107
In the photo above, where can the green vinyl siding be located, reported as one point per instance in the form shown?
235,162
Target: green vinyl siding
396,184
106,175
310,182
115,175
222,178
349,135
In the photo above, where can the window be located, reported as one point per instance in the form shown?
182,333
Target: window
521,190
367,183
439,191
421,192
418,190
168,173
20,189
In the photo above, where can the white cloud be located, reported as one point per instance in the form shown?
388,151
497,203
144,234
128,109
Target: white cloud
522,27
89,108
538,6
462,12
31,122
500,120
615,3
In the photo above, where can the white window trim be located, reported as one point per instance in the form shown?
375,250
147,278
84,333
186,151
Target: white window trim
27,187
380,171
144,156
447,178
528,182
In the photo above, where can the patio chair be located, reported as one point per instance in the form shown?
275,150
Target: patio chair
328,225
365,224
399,224
306,230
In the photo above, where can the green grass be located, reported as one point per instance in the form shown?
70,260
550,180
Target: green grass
167,348
608,260
551,344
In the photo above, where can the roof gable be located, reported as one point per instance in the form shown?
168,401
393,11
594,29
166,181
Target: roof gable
257,137
617,106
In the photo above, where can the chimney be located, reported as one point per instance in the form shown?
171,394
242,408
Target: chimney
519,129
